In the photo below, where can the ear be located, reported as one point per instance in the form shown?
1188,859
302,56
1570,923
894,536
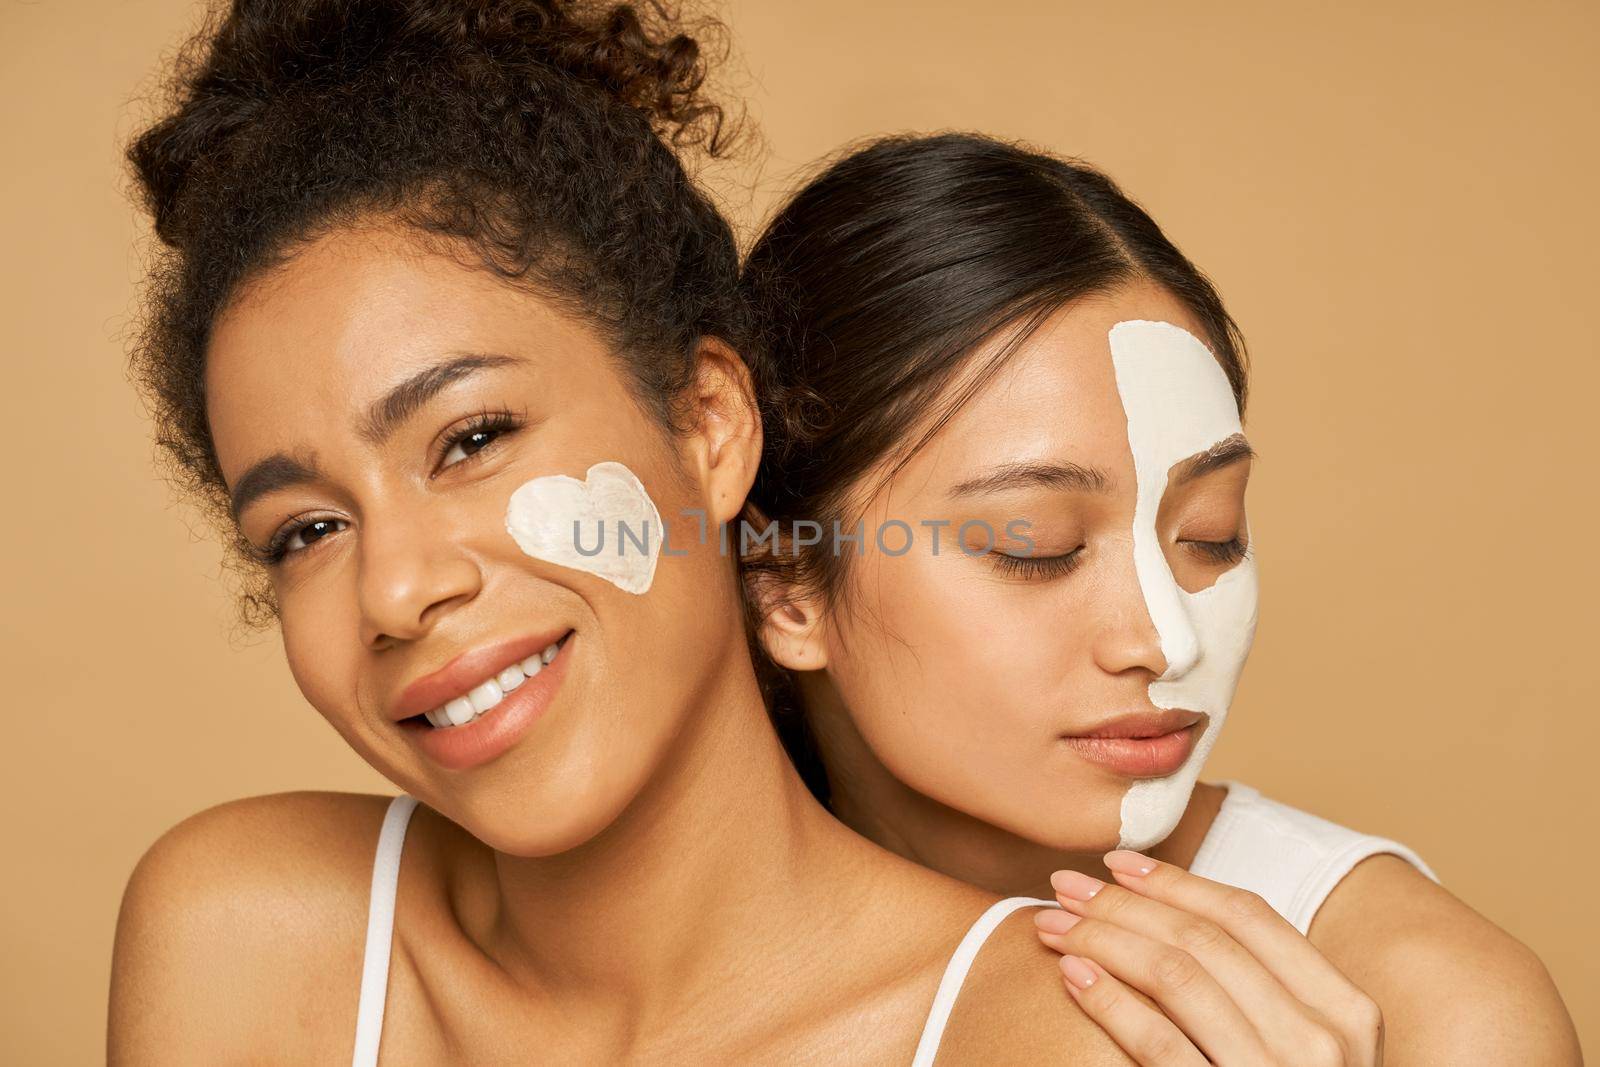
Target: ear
726,441
791,623
793,632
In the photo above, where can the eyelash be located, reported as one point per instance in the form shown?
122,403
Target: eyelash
497,421
1044,567
1231,551
1038,567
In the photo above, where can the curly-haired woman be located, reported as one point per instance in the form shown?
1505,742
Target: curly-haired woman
432,273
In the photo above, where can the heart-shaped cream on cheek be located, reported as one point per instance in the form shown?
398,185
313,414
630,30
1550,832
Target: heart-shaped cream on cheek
606,525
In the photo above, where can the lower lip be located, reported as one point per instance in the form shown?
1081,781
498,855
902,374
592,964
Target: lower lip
1138,757
460,748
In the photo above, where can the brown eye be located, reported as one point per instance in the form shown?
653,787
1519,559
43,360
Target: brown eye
313,531
298,538
477,435
468,445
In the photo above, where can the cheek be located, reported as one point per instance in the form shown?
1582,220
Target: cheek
1192,572
320,656
654,650
548,516
938,656
890,640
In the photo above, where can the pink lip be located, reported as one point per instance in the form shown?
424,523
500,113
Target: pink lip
460,748
1142,745
465,671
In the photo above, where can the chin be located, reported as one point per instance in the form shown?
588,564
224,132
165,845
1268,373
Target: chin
541,826
1087,840
1144,842
528,811
1152,810
1089,829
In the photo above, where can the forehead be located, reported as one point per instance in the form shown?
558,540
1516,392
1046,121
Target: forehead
1056,396
1175,395
304,347
347,302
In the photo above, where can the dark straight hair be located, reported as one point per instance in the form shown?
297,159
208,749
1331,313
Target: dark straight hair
872,288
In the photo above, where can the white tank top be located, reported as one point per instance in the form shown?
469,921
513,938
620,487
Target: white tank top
1291,858
380,933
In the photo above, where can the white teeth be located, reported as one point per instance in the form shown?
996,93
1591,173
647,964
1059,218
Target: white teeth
459,711
485,696
481,698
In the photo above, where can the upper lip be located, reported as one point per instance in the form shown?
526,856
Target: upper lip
1142,724
468,669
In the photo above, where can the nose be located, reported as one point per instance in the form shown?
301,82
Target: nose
1168,614
1180,644
1127,639
411,574
1148,626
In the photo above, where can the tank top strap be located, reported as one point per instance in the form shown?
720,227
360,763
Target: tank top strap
1292,858
380,930
955,972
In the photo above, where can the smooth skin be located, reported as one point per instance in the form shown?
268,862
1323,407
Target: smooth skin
940,686
641,878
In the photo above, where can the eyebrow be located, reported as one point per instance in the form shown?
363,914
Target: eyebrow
393,408
1069,476
278,471
283,471
1224,453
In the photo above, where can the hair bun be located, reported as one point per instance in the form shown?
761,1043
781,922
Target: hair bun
644,61
252,53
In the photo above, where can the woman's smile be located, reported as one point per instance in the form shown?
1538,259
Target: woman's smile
482,702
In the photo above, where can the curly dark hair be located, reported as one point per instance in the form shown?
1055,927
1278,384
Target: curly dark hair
539,139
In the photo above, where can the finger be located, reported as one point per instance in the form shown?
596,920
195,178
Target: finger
1280,1019
1180,987
1137,1028
1306,973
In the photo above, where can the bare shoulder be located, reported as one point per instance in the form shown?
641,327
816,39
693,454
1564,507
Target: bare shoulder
1453,986
241,932
1014,1009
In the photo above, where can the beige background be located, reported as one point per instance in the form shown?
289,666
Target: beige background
1397,202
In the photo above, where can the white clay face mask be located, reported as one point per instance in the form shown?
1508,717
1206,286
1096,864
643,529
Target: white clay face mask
606,525
1179,404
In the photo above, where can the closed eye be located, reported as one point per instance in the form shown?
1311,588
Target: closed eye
1038,567
1230,551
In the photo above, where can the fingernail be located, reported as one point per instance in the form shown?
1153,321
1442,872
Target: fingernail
1075,884
1054,920
1124,862
1077,972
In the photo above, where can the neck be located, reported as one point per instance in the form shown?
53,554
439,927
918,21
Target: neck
720,859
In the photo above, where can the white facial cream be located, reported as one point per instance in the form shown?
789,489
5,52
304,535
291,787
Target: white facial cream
606,525
1179,404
